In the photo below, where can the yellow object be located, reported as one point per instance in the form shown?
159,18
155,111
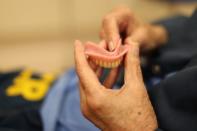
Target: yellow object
29,88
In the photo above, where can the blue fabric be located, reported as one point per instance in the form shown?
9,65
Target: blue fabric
61,109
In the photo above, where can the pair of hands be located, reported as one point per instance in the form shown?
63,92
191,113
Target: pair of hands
128,108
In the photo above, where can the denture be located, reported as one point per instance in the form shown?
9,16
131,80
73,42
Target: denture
104,58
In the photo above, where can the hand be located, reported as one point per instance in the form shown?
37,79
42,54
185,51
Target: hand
121,22
125,109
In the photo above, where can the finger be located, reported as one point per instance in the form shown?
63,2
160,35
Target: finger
111,31
111,78
103,44
132,63
86,75
82,96
102,34
144,37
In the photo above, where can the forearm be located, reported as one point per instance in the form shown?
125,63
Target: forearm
154,37
170,28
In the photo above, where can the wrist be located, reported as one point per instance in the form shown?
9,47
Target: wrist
147,123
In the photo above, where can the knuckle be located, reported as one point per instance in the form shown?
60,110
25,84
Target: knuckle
128,40
95,103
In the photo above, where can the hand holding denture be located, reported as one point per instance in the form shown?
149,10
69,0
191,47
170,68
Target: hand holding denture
124,109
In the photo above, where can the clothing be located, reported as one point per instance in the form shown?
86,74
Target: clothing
175,98
61,110
172,89
21,95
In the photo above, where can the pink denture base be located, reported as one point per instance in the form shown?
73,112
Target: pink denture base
97,52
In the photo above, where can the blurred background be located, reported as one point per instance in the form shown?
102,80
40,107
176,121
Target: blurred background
39,34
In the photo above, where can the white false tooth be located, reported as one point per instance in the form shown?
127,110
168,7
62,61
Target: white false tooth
105,64
108,65
113,64
119,61
117,64
100,63
96,61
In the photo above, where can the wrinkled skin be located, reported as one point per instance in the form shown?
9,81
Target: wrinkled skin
125,109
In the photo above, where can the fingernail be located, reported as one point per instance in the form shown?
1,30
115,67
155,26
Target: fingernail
111,46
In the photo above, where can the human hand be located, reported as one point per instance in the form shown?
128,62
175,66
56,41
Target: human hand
122,23
125,109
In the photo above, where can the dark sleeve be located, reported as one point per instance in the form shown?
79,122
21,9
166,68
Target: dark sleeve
181,46
174,98
158,129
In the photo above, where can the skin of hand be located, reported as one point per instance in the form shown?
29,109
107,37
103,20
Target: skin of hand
122,23
124,109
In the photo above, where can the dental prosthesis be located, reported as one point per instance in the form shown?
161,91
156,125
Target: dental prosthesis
104,58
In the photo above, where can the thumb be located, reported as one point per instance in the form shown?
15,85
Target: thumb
86,75
110,32
132,63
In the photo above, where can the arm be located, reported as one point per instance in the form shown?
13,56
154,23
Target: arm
172,25
122,23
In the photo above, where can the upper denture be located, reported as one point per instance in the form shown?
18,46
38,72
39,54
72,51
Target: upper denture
97,52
